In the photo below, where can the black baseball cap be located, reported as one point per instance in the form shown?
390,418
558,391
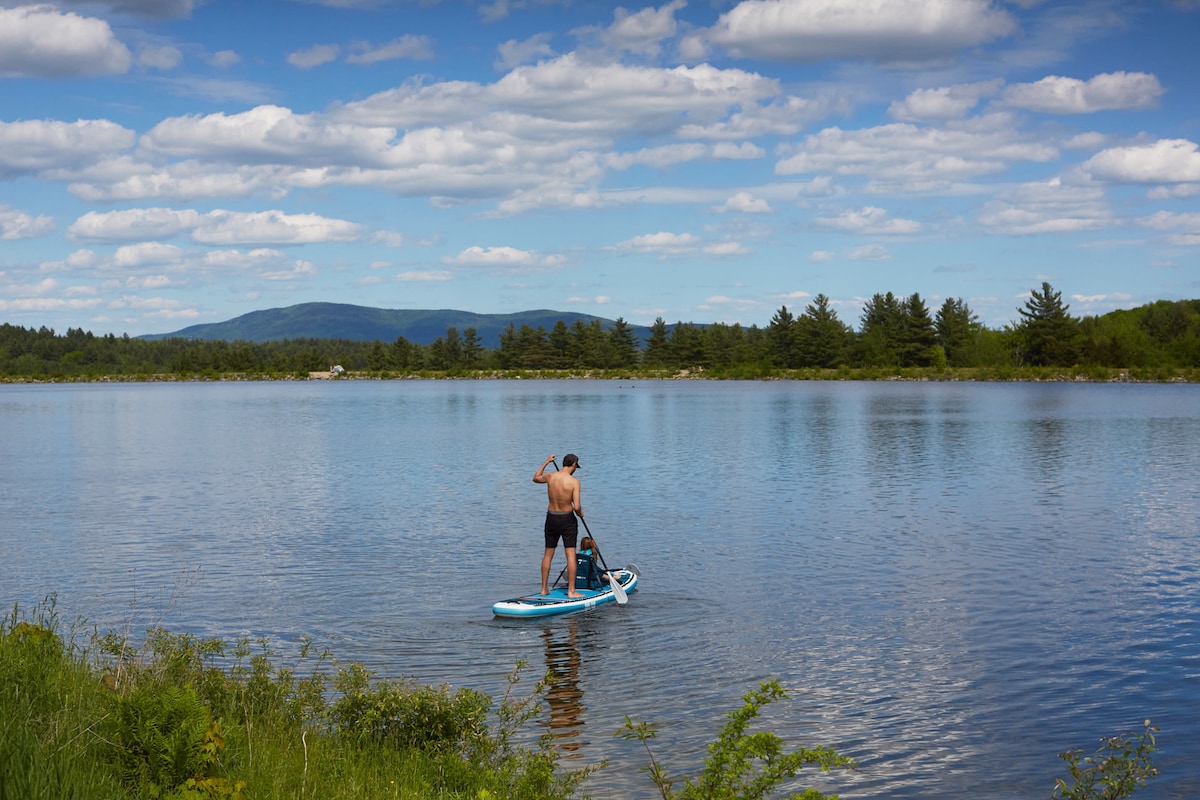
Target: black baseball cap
571,460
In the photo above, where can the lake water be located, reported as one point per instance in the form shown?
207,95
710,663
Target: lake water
954,581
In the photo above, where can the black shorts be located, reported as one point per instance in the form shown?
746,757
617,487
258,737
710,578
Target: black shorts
561,523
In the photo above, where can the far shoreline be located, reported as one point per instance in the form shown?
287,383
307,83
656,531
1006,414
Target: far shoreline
1078,374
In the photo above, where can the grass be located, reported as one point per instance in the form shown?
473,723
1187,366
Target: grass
179,717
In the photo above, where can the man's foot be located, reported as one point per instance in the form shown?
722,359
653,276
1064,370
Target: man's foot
545,591
575,596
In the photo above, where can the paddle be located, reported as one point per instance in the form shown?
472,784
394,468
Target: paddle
618,589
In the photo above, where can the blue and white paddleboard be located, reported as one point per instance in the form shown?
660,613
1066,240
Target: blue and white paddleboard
557,602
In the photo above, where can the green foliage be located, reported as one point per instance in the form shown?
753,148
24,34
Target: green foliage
405,714
740,765
184,718
1121,766
159,732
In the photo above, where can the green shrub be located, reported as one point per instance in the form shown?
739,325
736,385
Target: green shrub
404,714
1120,767
740,765
159,733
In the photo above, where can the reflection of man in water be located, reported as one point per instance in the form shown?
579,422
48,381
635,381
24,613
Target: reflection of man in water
564,696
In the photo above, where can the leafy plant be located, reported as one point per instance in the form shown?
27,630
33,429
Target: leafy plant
406,714
740,765
160,735
1121,766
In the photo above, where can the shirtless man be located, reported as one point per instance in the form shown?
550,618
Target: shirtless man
562,489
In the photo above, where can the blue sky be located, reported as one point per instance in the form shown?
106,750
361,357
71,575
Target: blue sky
165,163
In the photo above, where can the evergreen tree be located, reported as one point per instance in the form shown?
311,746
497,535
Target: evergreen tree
534,349
377,357
823,340
623,343
1047,334
956,326
917,335
560,345
880,333
446,353
656,354
687,346
405,354
508,355
724,345
782,332
472,349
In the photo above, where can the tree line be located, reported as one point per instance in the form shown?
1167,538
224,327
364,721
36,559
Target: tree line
893,332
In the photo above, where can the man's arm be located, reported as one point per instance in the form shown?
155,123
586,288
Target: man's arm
538,477
575,499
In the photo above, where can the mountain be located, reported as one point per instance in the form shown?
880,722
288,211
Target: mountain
361,323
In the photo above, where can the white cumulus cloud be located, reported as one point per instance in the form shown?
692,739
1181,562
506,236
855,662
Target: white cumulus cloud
1107,92
42,42
663,242
272,227
869,220
1047,207
1164,161
876,30
31,146
143,253
946,102
504,258
745,203
134,223
19,225
218,227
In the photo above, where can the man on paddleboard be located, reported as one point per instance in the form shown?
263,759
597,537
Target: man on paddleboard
562,490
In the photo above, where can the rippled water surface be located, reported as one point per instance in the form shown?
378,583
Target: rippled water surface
955,581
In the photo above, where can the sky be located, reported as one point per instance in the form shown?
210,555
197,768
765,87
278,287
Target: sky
165,163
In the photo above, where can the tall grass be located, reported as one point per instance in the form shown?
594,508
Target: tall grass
180,717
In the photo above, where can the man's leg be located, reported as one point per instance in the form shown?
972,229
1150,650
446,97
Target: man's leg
546,561
571,573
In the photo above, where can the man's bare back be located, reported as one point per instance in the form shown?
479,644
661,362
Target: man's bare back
562,494
562,488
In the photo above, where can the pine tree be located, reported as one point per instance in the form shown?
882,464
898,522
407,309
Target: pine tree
956,325
822,339
880,333
917,335
624,343
782,333
656,354
1048,335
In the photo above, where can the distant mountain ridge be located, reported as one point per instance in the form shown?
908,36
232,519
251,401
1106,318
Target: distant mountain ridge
366,324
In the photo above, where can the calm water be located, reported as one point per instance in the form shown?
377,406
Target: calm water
955,581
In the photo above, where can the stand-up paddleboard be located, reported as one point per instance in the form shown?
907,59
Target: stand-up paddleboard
557,602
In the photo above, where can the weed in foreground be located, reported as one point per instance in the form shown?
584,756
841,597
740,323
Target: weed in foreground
740,765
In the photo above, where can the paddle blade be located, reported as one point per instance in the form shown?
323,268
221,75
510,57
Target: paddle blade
618,589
